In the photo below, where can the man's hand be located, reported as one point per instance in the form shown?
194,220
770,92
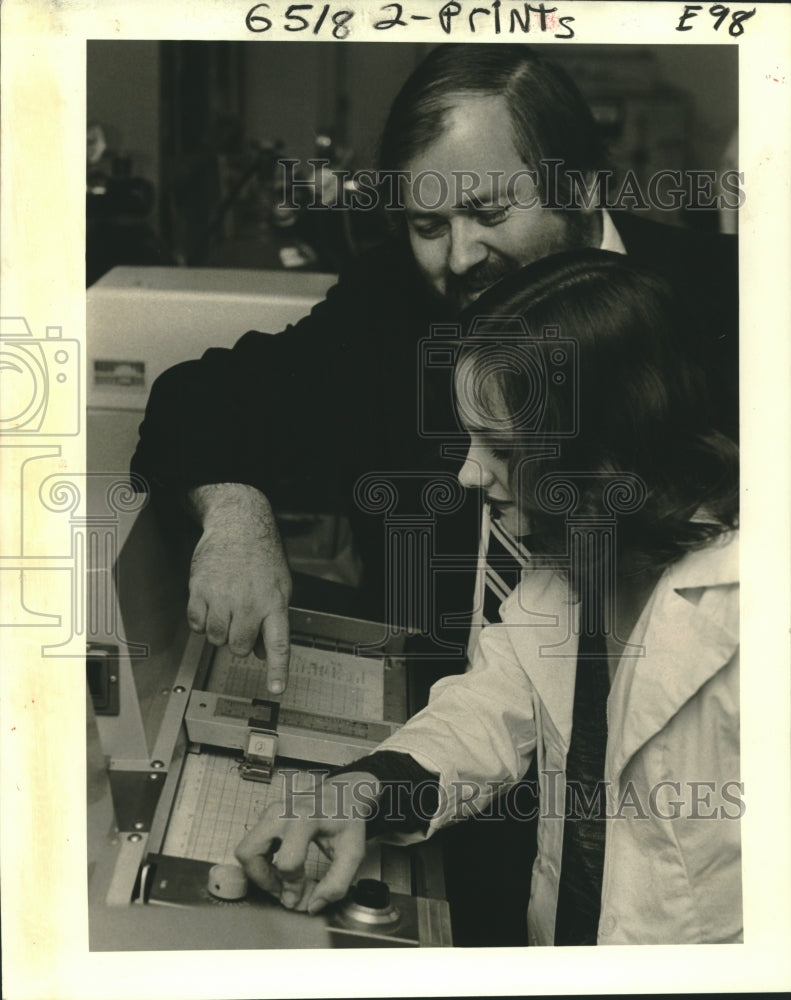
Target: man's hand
240,586
332,814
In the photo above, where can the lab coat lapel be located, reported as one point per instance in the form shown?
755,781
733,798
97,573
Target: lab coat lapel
685,646
548,649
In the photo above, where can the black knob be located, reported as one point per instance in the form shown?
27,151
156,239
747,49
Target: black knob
371,893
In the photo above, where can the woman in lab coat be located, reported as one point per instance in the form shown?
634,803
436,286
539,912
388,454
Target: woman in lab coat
615,663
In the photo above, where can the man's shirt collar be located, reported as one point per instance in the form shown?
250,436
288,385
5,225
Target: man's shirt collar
610,240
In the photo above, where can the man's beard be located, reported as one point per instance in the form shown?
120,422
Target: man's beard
461,289
580,231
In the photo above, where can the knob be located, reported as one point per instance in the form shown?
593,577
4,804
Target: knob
227,882
369,903
371,893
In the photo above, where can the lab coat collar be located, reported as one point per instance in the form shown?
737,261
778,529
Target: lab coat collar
716,565
685,641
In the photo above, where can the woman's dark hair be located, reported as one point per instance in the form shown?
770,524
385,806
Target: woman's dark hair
549,116
584,354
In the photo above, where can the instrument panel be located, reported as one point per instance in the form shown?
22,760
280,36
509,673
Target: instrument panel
224,751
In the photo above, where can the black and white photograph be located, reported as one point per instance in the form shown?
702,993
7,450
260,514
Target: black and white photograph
393,495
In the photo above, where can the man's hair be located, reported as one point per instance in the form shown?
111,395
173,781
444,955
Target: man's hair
600,375
549,116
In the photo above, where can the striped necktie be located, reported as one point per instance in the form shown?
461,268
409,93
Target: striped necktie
506,557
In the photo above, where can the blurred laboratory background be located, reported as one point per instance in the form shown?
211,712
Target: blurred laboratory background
184,139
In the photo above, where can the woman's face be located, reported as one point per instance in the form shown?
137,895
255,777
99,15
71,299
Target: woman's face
484,416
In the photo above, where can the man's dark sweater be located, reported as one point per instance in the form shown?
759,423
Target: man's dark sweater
302,415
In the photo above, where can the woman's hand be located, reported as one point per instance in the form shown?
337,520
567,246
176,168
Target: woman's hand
331,813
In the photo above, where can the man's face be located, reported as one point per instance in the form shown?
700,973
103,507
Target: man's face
463,245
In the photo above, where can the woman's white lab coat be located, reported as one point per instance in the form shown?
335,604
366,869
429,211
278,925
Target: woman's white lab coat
672,871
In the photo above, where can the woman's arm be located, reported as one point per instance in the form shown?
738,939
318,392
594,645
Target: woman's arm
476,734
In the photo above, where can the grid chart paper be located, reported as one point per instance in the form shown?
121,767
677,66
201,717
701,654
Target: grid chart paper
321,681
215,808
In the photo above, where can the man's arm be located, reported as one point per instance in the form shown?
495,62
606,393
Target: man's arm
218,437
274,418
227,604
